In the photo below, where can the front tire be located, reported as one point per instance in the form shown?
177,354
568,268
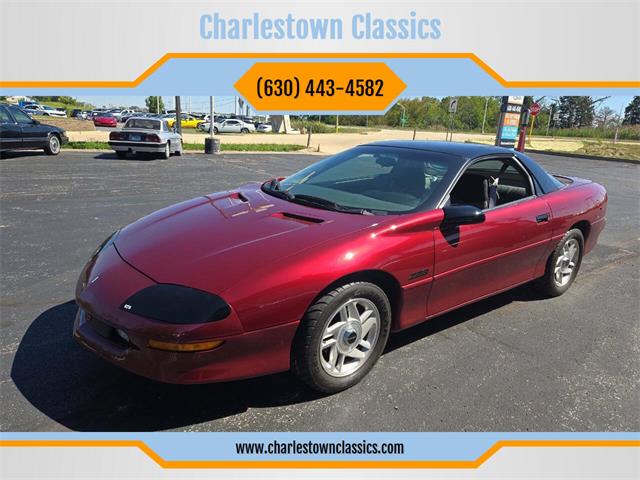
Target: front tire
244,130
341,337
563,265
53,145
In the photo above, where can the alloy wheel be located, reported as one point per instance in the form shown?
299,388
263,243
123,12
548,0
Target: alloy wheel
566,262
349,337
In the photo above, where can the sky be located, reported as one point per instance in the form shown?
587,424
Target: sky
226,104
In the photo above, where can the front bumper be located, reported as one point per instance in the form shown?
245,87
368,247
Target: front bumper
143,147
108,282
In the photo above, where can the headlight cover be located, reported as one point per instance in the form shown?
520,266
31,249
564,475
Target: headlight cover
177,304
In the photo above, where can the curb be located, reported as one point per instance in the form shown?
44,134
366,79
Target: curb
579,155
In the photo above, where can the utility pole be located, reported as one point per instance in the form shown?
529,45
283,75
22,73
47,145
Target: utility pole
178,123
484,118
211,116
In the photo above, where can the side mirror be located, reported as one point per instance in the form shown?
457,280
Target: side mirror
462,215
36,122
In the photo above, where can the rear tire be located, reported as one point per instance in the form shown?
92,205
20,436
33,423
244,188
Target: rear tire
341,337
167,151
244,130
215,130
53,145
563,265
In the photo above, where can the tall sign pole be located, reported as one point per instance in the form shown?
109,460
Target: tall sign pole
510,111
211,116
178,123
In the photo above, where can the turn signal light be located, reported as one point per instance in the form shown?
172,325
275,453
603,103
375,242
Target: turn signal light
185,347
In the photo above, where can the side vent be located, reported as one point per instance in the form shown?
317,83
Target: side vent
297,218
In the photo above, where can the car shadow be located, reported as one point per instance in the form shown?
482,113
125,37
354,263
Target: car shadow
22,153
82,392
139,157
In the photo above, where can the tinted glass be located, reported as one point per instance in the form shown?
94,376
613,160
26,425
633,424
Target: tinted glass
378,179
21,117
144,123
4,116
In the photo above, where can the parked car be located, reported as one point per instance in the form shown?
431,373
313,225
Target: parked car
44,110
116,112
126,116
205,126
372,240
264,128
105,120
145,135
233,125
186,121
78,113
19,131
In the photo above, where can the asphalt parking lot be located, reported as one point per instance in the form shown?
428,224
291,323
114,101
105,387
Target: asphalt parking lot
514,362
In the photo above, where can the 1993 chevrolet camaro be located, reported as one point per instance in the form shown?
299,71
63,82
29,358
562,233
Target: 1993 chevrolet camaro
312,272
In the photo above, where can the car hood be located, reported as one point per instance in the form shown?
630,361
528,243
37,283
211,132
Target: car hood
215,242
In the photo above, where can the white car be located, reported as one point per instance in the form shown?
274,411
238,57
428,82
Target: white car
232,125
145,135
264,128
44,110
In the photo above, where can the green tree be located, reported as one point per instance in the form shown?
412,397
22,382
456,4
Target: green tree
632,112
152,104
576,112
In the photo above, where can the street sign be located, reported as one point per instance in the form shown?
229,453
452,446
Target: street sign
535,109
515,100
453,105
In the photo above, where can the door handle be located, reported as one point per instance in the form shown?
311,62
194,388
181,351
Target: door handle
543,217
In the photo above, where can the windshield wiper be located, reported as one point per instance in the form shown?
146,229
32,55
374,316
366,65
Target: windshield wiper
327,204
273,188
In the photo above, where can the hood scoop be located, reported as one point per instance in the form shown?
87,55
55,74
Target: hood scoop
295,217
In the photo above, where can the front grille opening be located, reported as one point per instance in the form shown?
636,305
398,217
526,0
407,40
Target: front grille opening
106,331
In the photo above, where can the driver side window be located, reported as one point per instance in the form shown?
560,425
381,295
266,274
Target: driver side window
491,183
21,117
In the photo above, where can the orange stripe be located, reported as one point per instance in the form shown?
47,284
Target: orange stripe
156,65
321,464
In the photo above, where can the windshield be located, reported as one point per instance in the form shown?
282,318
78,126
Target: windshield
144,123
374,179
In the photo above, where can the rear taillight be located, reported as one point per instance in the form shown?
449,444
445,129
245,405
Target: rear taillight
152,138
116,136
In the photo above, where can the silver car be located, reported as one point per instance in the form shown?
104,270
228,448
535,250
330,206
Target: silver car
145,135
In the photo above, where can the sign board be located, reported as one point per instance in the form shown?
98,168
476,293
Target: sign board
509,124
453,105
535,109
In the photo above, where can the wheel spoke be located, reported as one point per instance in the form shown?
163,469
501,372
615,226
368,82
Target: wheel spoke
365,344
332,330
366,326
355,353
353,311
328,343
340,362
333,356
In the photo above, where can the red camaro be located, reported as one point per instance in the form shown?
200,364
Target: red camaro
105,120
312,272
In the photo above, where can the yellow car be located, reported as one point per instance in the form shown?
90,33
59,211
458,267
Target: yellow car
187,121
